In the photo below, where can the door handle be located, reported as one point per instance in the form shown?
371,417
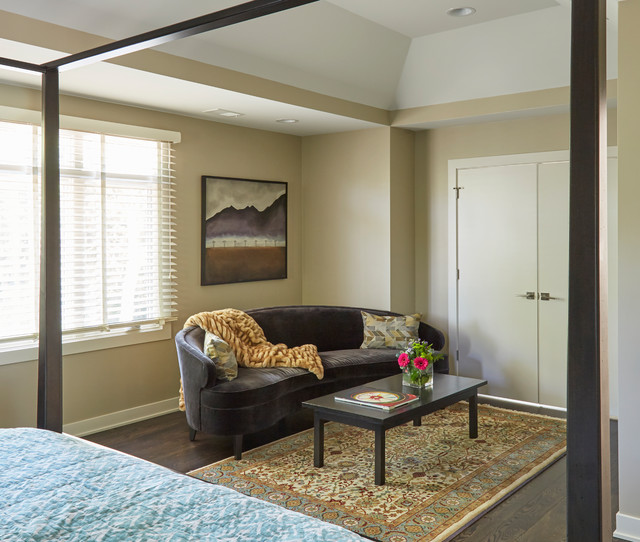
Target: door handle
544,296
528,295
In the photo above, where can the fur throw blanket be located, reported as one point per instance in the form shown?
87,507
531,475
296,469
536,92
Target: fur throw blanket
249,344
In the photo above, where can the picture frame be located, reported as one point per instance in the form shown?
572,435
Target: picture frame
244,230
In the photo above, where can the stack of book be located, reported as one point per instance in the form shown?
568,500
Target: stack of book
385,400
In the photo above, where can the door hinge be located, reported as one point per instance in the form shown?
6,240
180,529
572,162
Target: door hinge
457,189
458,274
457,355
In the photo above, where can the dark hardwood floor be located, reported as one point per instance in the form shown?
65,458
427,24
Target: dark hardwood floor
535,513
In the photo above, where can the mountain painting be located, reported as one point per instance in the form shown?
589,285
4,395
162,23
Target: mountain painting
244,230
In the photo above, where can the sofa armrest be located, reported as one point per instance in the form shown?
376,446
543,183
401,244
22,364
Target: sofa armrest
432,335
197,371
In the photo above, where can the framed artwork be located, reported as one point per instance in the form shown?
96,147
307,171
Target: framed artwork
244,230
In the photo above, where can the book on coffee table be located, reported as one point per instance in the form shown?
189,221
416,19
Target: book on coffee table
385,400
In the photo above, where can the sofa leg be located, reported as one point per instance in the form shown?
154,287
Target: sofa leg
237,447
192,434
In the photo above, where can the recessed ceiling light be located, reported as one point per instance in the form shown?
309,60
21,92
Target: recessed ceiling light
288,121
461,12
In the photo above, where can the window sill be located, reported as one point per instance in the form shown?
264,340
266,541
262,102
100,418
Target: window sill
111,339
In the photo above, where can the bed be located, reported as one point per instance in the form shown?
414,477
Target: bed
58,487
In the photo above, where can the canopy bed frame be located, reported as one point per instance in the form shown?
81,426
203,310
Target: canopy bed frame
588,431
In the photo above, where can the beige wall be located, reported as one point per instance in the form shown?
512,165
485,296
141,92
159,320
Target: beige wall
402,221
434,148
346,219
18,389
628,518
112,380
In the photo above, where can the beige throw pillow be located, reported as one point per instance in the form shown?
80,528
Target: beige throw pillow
389,331
222,355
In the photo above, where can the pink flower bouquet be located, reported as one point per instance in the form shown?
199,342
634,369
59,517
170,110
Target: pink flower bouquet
417,362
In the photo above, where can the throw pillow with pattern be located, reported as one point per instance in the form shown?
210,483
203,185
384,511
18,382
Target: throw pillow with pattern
222,355
389,331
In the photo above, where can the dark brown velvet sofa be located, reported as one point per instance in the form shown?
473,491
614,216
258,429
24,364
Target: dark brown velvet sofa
259,398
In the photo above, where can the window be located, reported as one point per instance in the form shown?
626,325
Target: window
116,233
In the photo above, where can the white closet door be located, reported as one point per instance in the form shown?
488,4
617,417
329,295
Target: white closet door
553,282
497,261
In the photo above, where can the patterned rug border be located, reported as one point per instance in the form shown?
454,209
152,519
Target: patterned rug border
477,513
503,494
510,485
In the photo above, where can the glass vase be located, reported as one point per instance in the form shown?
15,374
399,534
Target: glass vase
418,379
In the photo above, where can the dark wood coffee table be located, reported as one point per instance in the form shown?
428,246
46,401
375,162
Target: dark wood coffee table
447,390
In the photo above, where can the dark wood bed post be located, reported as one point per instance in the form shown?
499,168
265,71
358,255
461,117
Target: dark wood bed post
588,463
50,339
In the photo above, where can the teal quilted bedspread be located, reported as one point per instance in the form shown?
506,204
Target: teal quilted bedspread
57,487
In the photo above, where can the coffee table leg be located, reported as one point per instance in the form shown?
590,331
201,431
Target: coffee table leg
379,456
318,441
473,416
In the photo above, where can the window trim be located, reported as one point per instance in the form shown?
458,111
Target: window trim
117,338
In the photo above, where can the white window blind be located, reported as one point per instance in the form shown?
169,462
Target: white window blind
117,228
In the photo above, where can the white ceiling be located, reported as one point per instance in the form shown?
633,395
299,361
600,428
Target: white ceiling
123,18
415,18
358,50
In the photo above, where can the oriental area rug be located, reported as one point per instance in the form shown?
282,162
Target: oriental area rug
437,479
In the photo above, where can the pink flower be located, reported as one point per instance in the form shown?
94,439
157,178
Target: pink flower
421,364
403,359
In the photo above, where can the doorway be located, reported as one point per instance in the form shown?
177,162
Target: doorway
508,274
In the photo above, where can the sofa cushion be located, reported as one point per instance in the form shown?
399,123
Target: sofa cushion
329,328
336,361
256,386
394,332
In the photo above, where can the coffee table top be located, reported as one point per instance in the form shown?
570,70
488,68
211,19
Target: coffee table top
446,390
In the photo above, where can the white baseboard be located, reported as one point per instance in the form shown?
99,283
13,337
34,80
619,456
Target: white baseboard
627,528
122,417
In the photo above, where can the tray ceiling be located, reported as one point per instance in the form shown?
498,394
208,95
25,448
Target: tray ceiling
354,50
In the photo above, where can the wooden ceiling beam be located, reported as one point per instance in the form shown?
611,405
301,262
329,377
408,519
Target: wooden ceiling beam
20,65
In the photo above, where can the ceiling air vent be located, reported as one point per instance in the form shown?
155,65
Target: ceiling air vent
223,113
